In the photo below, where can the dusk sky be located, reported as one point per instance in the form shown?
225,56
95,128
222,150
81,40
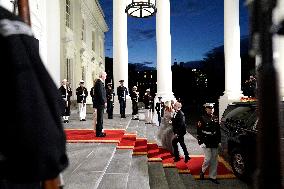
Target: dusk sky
197,26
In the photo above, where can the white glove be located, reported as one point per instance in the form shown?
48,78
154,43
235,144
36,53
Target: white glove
65,99
219,145
202,145
83,94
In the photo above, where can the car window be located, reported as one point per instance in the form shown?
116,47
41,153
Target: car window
243,116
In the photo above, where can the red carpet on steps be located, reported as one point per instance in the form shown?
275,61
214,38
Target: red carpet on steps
127,141
152,150
140,147
193,167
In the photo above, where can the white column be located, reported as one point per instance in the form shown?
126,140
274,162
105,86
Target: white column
7,5
279,47
232,55
163,35
120,49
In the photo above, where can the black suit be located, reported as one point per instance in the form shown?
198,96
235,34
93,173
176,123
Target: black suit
99,104
179,128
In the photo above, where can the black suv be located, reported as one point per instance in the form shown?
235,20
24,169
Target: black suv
239,133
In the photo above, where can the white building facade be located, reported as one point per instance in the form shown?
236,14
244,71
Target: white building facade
71,36
82,44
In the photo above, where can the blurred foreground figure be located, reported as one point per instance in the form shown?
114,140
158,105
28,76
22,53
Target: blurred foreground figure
32,144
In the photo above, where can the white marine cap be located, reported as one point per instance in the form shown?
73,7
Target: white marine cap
82,81
208,105
147,90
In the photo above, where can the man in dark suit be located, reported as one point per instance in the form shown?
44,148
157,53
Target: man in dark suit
134,97
100,103
179,129
121,93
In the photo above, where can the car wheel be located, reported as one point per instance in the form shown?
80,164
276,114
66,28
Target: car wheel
239,164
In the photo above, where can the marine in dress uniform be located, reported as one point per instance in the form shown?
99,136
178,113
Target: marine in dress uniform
110,96
82,94
122,92
160,109
209,139
66,93
134,97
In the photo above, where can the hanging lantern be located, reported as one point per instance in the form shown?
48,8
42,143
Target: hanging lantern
141,8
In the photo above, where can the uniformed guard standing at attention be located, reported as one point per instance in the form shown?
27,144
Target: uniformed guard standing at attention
82,94
209,139
66,93
148,101
160,109
121,93
134,97
110,96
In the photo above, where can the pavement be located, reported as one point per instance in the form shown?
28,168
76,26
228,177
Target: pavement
103,166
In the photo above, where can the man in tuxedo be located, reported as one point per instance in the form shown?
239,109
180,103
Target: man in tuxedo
179,129
134,97
100,103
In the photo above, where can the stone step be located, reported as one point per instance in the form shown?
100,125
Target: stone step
117,172
138,175
87,164
157,176
173,178
189,181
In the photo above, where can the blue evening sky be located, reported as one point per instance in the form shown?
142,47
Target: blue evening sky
197,26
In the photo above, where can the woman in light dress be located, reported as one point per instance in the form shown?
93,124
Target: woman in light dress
165,133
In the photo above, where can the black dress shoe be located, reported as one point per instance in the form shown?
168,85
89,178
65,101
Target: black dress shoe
201,174
101,135
214,180
186,159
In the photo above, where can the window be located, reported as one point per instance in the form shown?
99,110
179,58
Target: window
94,41
68,14
83,73
68,69
83,34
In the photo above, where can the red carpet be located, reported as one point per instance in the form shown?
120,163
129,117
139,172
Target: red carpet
140,147
88,135
193,166
127,141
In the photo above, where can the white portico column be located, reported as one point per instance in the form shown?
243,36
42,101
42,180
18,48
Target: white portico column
279,47
120,51
163,35
232,55
7,5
